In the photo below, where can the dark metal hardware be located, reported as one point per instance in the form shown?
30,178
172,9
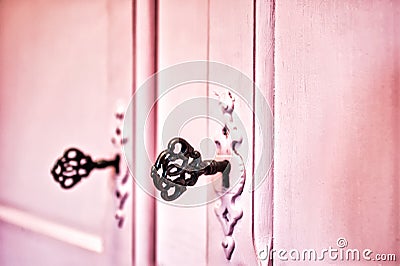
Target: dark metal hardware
180,166
75,165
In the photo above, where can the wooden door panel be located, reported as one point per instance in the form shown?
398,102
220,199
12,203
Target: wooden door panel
181,231
231,42
330,69
337,125
264,78
64,67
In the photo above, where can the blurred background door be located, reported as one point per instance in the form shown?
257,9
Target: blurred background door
65,68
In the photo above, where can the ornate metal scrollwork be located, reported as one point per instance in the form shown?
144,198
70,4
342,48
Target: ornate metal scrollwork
227,209
180,166
75,165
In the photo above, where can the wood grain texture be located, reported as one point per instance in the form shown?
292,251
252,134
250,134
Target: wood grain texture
231,42
264,78
337,125
64,67
181,231
145,57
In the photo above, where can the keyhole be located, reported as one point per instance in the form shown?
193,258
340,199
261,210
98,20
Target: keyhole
225,215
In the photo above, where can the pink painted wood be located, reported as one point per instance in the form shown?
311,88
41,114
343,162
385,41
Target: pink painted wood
182,41
64,68
336,171
181,231
337,125
231,42
145,64
264,78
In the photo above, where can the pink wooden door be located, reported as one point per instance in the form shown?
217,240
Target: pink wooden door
329,72
65,67
337,123
173,32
